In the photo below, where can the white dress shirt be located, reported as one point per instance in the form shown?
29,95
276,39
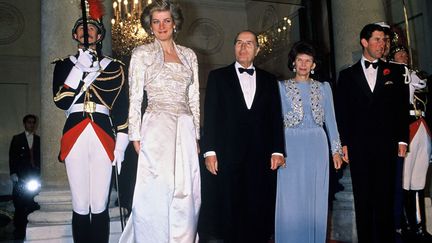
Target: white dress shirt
29,137
247,84
371,77
370,73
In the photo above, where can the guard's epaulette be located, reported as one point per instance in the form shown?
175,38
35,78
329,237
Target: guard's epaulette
59,59
115,60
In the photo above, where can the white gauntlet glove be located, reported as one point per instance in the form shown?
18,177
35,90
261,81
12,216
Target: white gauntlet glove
84,63
122,142
87,62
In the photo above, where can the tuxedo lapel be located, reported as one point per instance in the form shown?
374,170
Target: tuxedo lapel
259,86
24,141
361,80
235,83
380,79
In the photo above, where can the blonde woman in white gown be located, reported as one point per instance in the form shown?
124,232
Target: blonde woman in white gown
167,196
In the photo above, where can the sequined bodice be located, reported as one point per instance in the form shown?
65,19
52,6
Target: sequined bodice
308,105
168,92
305,104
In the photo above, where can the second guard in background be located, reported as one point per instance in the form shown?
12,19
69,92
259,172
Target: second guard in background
417,160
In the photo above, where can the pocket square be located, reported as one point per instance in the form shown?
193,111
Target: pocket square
388,83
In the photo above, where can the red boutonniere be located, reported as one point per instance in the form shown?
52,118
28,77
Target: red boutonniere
386,71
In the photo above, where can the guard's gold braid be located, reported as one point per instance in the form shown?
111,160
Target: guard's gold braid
110,77
60,95
123,126
423,102
106,90
107,72
121,85
95,89
99,97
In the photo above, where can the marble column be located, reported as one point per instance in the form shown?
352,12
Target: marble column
57,19
52,222
349,17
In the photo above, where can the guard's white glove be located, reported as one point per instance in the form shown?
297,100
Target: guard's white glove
86,61
74,78
14,178
122,142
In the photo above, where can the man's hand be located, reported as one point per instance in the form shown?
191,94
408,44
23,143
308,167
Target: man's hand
402,150
345,154
212,164
122,141
337,161
87,61
118,160
276,161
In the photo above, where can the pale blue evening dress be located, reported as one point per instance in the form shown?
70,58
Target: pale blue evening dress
302,187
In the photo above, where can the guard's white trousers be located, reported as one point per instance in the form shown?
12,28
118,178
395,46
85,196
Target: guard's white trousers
417,160
88,169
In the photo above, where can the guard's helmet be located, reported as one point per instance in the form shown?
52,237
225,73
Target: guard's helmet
395,49
99,25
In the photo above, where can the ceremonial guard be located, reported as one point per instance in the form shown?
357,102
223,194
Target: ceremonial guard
417,160
91,89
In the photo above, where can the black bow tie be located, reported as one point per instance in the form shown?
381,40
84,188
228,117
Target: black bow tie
374,64
250,71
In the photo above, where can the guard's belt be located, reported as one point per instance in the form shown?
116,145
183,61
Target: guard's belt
89,107
417,113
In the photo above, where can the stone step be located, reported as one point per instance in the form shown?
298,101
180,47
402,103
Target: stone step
61,200
41,217
62,233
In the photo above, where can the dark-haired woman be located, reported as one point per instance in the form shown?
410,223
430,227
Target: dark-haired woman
302,187
167,196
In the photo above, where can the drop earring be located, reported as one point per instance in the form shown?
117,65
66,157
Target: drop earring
294,69
312,71
175,30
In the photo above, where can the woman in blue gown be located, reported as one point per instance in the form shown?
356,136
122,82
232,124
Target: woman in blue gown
302,186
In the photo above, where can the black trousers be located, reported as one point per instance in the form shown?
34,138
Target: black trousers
373,178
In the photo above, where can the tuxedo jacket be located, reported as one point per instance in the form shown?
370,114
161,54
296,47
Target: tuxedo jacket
242,195
231,129
372,121
20,156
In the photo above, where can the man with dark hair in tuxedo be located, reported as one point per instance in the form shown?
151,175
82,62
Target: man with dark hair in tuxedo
24,165
373,127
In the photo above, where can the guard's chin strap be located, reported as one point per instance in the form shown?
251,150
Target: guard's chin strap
90,43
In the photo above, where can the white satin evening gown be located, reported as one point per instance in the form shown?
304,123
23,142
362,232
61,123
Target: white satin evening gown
167,196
